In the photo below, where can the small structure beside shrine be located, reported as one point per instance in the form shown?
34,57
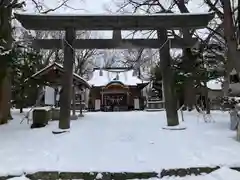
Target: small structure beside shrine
50,89
116,89
50,80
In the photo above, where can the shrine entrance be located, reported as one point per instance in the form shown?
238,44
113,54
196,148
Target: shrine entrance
115,97
160,23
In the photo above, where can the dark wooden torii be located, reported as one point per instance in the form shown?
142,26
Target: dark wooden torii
71,23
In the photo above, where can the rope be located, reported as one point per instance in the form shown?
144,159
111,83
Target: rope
159,48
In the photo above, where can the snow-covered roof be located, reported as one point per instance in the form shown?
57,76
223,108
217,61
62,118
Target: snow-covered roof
113,14
59,67
215,84
106,76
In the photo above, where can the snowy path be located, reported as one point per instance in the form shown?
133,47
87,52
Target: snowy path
116,142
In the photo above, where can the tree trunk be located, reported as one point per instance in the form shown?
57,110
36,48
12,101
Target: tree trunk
226,81
5,101
238,20
168,79
6,42
229,35
9,93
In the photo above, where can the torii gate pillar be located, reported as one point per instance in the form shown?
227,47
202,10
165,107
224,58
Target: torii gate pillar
65,99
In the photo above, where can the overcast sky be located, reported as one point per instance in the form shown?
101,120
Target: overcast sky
99,7
78,6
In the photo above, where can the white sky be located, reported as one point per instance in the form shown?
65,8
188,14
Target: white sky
78,6
99,7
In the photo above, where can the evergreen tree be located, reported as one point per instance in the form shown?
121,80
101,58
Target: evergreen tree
26,62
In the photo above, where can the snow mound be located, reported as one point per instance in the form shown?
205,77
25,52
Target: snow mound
225,173
215,84
178,127
19,178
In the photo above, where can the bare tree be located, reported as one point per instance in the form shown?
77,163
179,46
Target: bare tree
83,57
6,45
140,59
41,6
109,58
84,61
230,33
228,15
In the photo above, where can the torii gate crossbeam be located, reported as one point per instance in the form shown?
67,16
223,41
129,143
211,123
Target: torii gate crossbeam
112,43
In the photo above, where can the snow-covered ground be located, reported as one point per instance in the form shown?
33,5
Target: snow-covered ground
118,141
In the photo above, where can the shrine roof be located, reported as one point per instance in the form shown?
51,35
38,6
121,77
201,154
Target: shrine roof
114,22
126,77
59,67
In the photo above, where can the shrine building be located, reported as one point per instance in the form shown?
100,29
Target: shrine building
116,89
50,78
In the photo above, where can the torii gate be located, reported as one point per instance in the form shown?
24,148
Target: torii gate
70,23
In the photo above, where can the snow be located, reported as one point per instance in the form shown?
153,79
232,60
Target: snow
215,84
178,127
118,142
47,108
112,14
225,173
99,176
125,76
155,102
19,178
60,67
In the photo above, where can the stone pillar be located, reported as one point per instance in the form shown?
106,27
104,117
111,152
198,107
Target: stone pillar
67,80
168,79
73,101
73,116
238,132
81,101
163,96
117,35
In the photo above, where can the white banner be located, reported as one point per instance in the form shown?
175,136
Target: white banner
49,96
